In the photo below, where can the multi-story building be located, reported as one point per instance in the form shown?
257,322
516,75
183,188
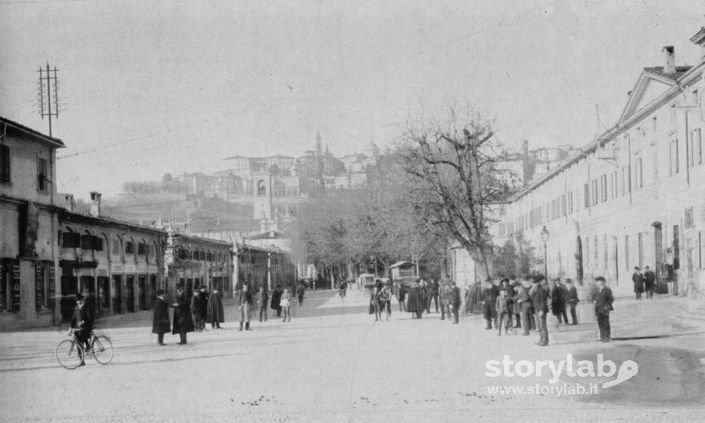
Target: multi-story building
28,226
193,262
633,197
118,265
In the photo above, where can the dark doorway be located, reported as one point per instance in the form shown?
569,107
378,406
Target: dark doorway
130,291
152,288
143,292
579,260
117,299
104,293
658,251
69,289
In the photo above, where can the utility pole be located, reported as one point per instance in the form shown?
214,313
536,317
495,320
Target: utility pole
48,81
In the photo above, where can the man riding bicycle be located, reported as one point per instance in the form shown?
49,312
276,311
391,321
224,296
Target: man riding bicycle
82,324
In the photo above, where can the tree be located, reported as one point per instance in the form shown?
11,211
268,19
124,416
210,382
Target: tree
451,161
514,258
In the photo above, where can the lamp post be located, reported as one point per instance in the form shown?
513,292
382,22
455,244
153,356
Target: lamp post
270,249
544,238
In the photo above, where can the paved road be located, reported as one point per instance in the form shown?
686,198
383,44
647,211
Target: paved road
332,363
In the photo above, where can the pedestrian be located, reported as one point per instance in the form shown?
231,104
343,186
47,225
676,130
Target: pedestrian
284,304
444,296
244,301
455,301
300,294
414,302
603,307
489,299
649,282
539,299
375,300
401,296
262,299
523,299
516,307
276,300
160,318
385,301
638,280
504,309
205,296
215,314
571,299
341,290
196,301
558,293
183,323
432,295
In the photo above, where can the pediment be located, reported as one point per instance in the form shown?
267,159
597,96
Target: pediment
648,88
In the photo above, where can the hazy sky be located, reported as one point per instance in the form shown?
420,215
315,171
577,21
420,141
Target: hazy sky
149,87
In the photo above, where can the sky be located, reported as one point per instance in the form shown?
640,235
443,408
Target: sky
149,87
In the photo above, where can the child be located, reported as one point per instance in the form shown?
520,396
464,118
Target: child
284,303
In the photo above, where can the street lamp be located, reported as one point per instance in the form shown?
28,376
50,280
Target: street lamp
544,238
270,248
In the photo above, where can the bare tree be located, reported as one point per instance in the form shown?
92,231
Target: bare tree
452,161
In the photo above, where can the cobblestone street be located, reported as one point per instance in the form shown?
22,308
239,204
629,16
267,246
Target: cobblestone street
341,366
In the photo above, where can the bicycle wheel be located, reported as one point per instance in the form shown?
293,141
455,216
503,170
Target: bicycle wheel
68,354
102,349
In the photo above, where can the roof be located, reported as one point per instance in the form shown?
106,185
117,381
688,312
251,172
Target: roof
202,240
658,71
401,264
266,235
56,142
66,216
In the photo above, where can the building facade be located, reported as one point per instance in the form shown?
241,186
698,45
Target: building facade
633,197
193,262
28,226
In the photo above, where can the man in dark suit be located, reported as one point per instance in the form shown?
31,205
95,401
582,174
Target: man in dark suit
523,299
82,324
539,298
603,307
455,301
160,319
649,282
638,280
572,300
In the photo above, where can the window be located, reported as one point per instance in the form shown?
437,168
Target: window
597,255
623,186
97,243
605,251
115,249
594,192
4,163
129,247
570,202
42,174
44,289
639,173
673,157
564,208
696,147
86,242
71,240
586,191
141,250
603,188
640,250
688,221
626,251
9,286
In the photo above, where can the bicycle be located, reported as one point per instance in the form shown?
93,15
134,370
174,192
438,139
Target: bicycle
69,351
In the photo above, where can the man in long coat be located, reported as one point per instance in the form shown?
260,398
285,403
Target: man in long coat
216,314
649,282
183,322
638,280
244,301
415,303
160,319
455,301
444,297
276,300
603,307
539,299
523,299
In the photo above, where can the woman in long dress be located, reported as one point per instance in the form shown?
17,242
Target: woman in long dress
415,301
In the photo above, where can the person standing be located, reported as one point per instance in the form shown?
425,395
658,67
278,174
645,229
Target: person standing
524,300
516,308
415,303
558,301
489,300
571,299
455,301
539,299
300,294
444,297
649,282
160,318
504,310
284,304
385,301
276,300
183,323
638,280
196,301
215,313
375,301
244,301
603,307
262,299
432,295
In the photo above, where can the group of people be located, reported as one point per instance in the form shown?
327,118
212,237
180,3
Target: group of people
416,297
193,310
189,314
525,305
644,282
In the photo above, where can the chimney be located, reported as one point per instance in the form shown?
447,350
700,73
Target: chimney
95,203
670,65
69,202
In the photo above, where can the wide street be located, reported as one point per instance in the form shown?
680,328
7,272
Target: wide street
333,363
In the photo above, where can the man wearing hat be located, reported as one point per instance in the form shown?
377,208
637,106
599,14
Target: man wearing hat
539,299
160,319
82,323
603,307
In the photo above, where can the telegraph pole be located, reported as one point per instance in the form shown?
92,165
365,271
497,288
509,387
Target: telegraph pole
48,103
